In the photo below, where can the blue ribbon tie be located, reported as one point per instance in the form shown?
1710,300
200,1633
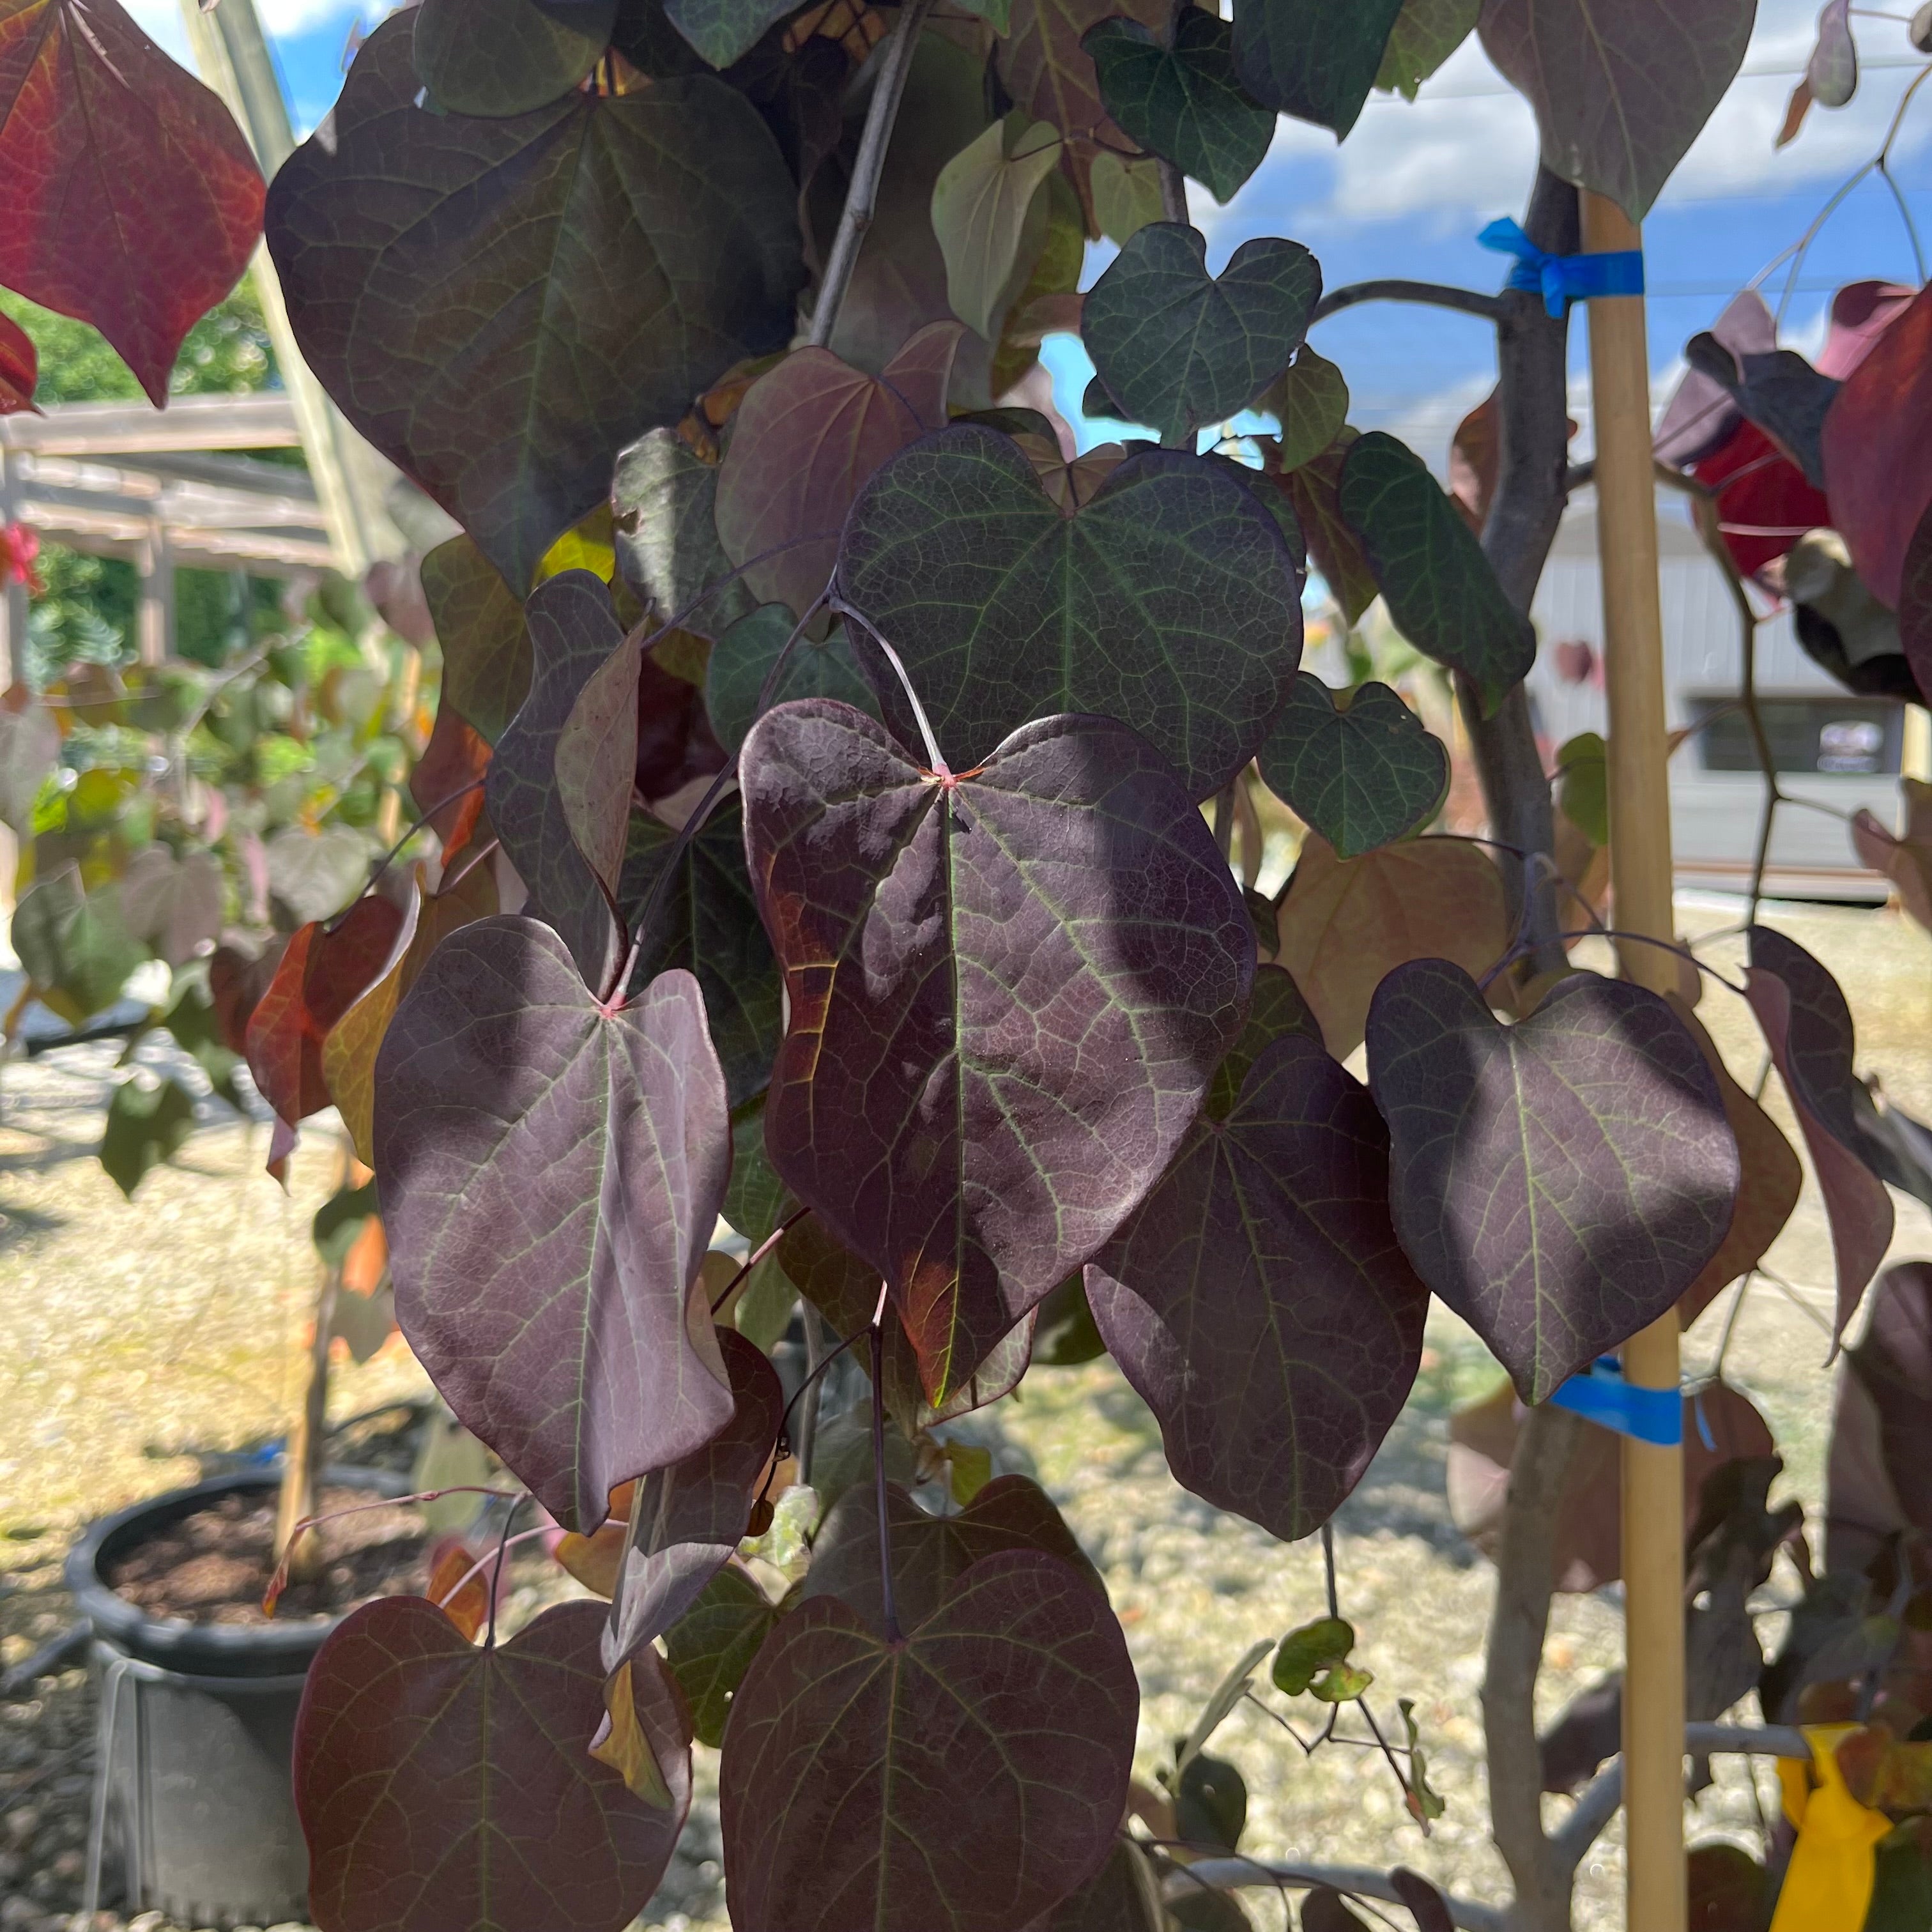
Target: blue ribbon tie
1563,279
1603,1397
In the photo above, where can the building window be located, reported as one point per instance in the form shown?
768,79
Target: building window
1855,737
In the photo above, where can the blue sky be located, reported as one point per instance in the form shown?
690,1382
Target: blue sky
1413,184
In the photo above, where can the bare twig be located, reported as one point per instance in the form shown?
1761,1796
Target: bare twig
862,196
1432,295
1364,1881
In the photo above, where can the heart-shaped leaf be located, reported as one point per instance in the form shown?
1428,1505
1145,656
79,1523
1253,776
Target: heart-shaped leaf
1440,589
724,31
1559,1183
624,250
1258,1301
1362,772
1044,66
1878,468
74,944
145,1125
1621,90
1180,348
1310,400
1780,391
1879,1482
134,201
503,57
692,1515
930,1553
846,1291
1123,1896
1313,490
350,1048
1807,1029
804,439
707,923
935,935
30,745
742,658
573,633
966,1777
989,211
1183,102
479,624
594,760
321,975
1171,599
1425,33
175,904
711,1647
1346,923
1311,59
444,1787
551,1173
663,510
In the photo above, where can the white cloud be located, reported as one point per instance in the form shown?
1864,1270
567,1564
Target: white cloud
162,19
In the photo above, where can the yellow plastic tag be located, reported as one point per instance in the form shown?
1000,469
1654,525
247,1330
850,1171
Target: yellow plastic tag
1828,1886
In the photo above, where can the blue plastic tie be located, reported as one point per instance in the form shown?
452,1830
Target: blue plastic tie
1603,1397
1563,279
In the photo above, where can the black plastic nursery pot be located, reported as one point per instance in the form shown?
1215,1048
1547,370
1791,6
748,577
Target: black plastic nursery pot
193,1797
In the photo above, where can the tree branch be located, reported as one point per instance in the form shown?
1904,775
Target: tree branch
1600,1799
862,196
1235,1874
1525,1575
1432,295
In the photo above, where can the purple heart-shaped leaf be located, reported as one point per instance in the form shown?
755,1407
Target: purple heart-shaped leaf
551,1173
1009,991
1259,1302
1559,1183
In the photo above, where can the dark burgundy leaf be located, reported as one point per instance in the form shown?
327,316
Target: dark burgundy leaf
1425,1903
479,624
676,744
1808,1026
1171,599
1897,1148
1560,1182
1258,1301
948,945
502,305
133,200
551,1174
594,758
1729,1890
319,977
1702,413
573,633
693,1513
930,1553
1778,390
444,1787
19,364
1915,605
1324,1910
1123,1896
1879,1480
964,1780
1275,1007
236,981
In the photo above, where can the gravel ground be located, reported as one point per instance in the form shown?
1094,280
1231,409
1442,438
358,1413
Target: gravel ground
141,1345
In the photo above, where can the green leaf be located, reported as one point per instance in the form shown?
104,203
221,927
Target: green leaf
1427,1804
1183,103
1310,400
1583,785
1064,1335
1440,588
1305,1653
340,1220
744,658
1179,349
1313,490
711,1647
196,1031
75,945
1171,599
724,31
146,1126
502,57
1621,88
757,1200
1276,1007
1426,32
990,215
479,623
624,251
1362,769
1126,195
1342,1684
1313,58
1210,1804
663,516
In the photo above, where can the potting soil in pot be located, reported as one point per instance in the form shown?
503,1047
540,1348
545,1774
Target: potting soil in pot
213,1567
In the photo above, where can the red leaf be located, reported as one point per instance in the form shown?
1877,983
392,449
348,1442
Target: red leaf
443,1787
1915,606
456,756
19,366
318,980
1860,312
1878,459
1768,506
236,984
969,1776
132,199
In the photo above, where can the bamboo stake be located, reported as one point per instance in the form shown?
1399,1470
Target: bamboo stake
1640,873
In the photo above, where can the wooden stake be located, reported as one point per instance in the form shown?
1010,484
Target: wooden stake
1641,878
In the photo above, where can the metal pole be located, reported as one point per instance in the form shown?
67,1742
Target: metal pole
232,53
1641,877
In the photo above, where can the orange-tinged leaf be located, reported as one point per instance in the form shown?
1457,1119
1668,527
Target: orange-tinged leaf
368,1261
458,1587
594,1560
1906,861
624,1746
349,1052
133,201
1346,922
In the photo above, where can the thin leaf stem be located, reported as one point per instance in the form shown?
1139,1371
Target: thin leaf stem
482,1563
496,1574
862,196
757,1255
381,866
935,763
1433,295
